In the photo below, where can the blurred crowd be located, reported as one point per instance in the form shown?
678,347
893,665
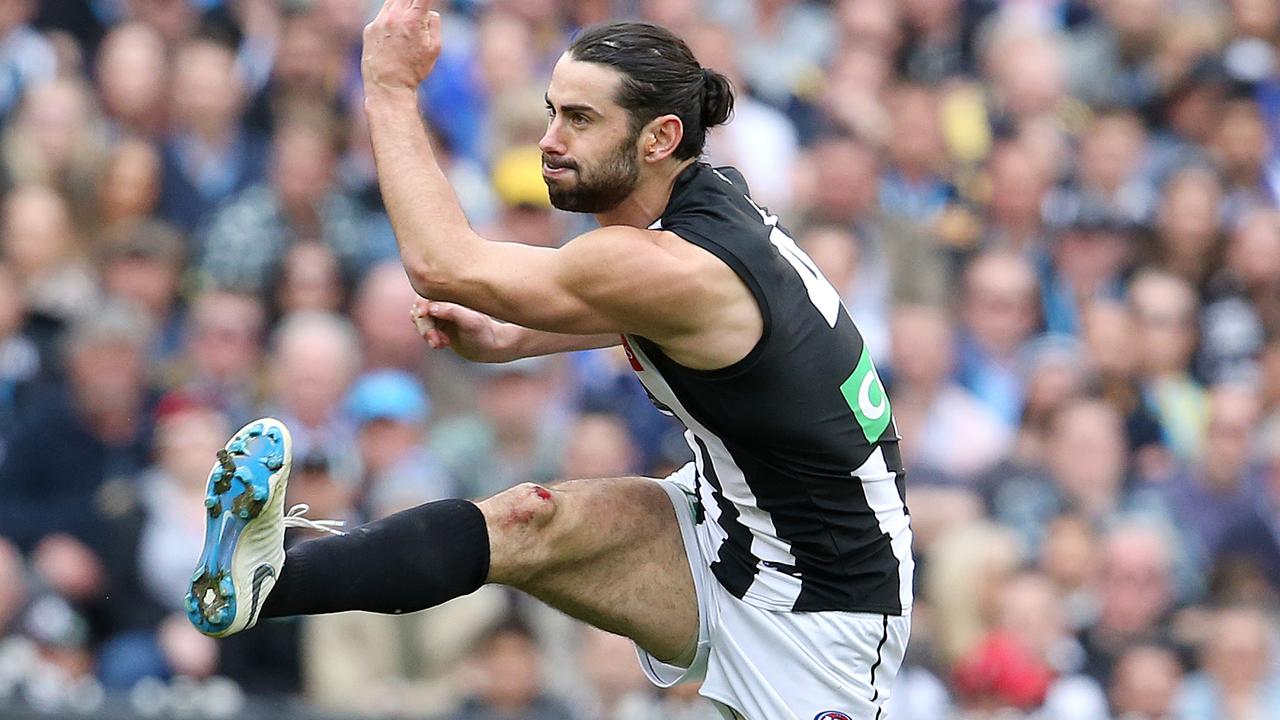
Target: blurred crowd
1055,222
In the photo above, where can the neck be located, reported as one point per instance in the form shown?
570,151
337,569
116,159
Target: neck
648,201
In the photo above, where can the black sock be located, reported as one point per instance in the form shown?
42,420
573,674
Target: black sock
412,560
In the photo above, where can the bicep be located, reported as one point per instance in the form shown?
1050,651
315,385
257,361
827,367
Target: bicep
607,281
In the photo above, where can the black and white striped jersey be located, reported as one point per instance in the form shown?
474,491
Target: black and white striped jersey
800,481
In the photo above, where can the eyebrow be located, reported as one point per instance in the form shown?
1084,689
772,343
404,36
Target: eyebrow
573,107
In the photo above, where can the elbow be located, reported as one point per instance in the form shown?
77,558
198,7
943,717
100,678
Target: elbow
430,280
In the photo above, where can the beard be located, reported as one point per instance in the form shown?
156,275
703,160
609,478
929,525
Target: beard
599,188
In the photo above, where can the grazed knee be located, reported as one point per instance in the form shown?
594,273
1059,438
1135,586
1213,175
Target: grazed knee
527,505
519,522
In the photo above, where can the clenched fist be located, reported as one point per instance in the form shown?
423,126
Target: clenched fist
401,45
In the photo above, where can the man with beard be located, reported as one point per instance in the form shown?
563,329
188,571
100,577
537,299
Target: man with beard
777,565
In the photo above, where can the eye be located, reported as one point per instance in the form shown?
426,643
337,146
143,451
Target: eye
579,120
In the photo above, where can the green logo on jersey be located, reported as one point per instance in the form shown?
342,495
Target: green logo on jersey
866,397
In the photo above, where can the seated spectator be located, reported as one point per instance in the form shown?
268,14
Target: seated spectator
1031,612
1134,595
615,687
1084,471
390,410
129,189
1238,679
141,263
946,428
1221,486
378,310
1188,226
517,433
133,76
1241,309
1164,307
310,281
209,157
222,353
1146,682
41,246
244,244
314,358
998,315
84,441
26,58
507,679
57,139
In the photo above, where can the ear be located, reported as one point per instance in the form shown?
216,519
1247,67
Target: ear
660,138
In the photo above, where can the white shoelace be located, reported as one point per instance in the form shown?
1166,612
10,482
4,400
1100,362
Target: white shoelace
294,518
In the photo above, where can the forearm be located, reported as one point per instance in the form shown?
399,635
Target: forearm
525,342
435,239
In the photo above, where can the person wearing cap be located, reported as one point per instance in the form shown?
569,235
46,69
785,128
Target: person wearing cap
390,410
524,214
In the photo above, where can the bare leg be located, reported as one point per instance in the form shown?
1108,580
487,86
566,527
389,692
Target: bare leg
607,552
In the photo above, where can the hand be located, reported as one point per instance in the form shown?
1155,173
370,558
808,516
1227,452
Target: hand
401,45
473,335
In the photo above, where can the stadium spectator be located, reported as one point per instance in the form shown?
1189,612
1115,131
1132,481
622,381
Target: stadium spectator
1134,594
245,243
390,410
141,263
208,156
1222,484
315,357
998,315
1145,681
27,57
93,424
222,353
57,139
41,245
133,77
509,684
129,189
1238,679
959,435
517,431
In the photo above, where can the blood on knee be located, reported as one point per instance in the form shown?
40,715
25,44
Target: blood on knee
524,504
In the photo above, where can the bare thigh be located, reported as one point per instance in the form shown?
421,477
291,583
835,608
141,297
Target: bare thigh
607,552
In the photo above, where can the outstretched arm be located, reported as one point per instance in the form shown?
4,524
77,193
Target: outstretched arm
480,338
611,280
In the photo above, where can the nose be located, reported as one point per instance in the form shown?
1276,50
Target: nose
550,143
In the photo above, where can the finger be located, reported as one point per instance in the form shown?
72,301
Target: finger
433,25
423,324
443,310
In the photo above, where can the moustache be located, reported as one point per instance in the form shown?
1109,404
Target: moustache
559,164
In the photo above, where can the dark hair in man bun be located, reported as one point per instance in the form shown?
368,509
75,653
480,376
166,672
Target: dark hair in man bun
661,77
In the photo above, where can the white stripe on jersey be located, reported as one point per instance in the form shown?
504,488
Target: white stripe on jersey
878,484
769,587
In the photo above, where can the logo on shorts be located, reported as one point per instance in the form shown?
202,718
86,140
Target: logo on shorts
831,715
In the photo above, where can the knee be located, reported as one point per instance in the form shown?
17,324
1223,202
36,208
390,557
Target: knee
527,507
520,531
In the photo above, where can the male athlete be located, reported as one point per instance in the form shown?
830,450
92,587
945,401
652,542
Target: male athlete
777,565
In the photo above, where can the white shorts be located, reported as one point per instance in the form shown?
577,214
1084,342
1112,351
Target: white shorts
770,665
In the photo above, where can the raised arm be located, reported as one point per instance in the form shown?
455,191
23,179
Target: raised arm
616,279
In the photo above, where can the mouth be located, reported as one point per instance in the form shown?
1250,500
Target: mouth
555,171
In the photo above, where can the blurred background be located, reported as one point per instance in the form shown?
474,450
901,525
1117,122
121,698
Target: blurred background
1055,223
